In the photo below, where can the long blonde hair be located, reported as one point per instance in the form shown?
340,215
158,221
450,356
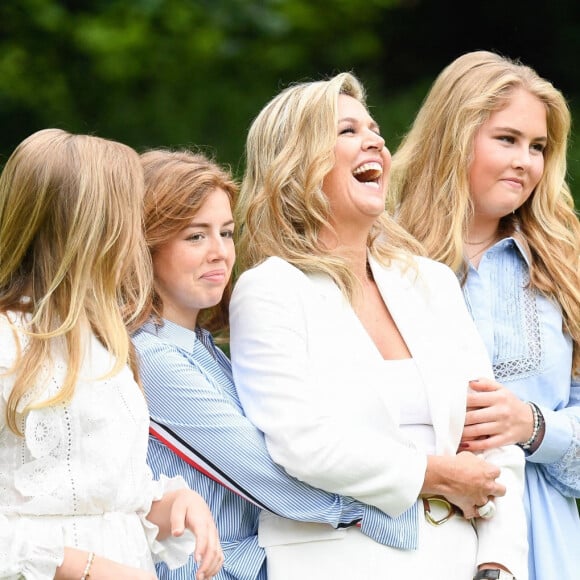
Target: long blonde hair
430,184
282,208
177,184
71,240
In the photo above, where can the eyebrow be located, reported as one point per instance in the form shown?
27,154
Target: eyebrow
354,121
518,133
207,225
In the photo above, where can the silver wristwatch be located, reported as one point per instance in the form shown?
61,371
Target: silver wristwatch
494,574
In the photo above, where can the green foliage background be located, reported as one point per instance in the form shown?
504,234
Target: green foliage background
195,72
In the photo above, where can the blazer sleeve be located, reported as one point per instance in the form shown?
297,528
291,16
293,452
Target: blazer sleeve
299,385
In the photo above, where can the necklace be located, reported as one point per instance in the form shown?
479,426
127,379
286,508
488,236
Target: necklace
486,241
472,256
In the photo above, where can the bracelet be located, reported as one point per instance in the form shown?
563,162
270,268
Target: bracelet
87,570
538,424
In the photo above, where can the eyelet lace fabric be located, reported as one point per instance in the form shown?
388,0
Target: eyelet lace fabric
78,477
564,474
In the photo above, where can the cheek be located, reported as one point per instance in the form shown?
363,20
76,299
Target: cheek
475,179
387,158
537,172
486,166
330,183
168,264
163,272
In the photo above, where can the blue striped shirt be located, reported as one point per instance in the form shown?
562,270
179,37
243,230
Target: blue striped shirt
189,388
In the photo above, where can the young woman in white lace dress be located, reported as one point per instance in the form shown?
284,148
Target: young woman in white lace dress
76,496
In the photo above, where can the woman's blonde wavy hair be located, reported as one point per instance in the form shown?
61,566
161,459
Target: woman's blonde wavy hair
177,184
429,189
71,240
282,207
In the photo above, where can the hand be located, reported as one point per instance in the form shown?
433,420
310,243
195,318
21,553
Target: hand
495,417
466,480
184,508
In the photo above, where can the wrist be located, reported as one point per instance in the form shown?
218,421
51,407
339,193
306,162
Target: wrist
87,571
537,430
439,472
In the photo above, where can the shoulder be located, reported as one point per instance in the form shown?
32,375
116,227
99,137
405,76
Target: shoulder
152,348
144,338
436,269
272,289
436,275
273,274
12,337
429,281
426,272
272,266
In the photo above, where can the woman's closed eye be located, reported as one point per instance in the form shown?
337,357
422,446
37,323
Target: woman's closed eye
539,147
507,138
197,237
346,130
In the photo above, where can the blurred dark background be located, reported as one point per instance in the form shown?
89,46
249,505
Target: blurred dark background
195,72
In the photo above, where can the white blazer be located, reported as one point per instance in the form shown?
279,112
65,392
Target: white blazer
305,368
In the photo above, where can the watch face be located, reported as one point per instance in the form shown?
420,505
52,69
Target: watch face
494,574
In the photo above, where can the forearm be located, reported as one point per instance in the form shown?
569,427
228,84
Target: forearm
73,565
80,564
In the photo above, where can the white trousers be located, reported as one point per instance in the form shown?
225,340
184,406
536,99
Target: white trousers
445,552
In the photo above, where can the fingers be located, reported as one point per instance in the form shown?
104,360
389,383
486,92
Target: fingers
476,479
487,510
207,545
178,514
208,551
484,385
211,561
189,510
484,511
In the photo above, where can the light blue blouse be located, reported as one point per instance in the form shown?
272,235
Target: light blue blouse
189,388
532,356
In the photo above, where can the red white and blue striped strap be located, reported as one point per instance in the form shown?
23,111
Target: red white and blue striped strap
194,458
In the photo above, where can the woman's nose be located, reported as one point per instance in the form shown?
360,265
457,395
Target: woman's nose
218,248
522,158
374,141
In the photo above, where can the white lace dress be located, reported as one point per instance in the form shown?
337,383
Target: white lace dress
78,477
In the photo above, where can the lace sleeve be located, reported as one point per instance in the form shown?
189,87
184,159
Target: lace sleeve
9,338
564,474
173,551
20,557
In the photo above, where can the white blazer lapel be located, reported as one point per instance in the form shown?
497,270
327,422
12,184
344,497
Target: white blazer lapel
410,301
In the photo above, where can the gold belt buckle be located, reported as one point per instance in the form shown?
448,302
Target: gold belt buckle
441,502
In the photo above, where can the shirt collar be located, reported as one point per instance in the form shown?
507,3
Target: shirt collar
178,335
521,244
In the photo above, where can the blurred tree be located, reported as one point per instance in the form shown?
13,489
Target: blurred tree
153,72
195,72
